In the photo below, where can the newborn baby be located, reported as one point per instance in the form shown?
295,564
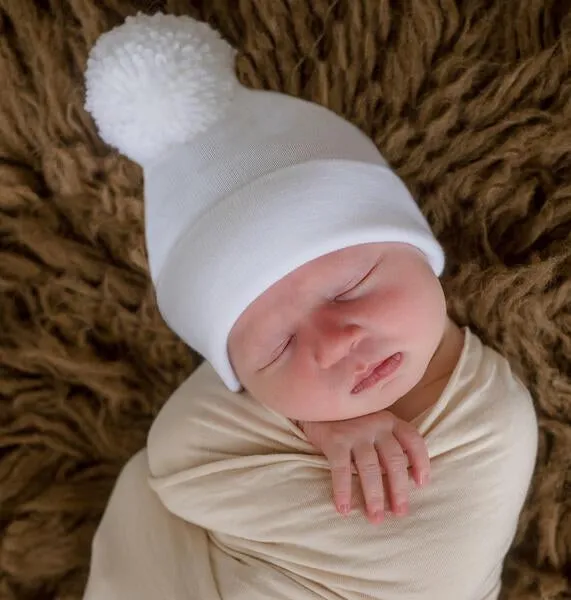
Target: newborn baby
346,335
285,250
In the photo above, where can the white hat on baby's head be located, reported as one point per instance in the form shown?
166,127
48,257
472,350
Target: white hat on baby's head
241,186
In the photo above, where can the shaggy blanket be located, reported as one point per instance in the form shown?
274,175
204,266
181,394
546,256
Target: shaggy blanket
470,101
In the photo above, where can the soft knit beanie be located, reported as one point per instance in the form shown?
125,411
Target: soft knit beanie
241,186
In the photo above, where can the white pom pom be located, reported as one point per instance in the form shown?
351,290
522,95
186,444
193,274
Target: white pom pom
156,81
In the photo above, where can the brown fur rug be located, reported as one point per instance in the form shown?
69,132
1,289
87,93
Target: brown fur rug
471,102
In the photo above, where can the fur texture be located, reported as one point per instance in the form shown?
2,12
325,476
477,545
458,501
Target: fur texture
471,103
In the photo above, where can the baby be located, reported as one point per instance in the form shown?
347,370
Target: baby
284,249
340,339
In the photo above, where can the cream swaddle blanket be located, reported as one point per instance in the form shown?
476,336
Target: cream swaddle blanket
229,501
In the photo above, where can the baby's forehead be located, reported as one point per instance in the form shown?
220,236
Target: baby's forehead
333,263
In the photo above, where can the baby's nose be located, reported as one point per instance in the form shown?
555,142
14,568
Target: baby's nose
334,339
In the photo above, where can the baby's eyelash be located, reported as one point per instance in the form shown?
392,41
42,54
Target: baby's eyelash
362,280
280,350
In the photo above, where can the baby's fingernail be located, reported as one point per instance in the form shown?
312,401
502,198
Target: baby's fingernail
401,509
424,479
378,516
344,509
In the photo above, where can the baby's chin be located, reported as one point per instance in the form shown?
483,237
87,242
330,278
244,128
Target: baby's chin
352,406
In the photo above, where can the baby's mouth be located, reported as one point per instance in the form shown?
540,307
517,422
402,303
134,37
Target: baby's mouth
378,372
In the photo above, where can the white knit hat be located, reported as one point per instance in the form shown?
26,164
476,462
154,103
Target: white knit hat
241,186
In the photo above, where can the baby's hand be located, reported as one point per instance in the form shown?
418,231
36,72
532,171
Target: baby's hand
378,444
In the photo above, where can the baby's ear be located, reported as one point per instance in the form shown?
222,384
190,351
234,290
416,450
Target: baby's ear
158,81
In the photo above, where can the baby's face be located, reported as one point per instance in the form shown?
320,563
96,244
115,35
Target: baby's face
306,347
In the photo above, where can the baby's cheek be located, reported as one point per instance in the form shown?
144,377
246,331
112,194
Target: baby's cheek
280,392
407,304
391,307
299,398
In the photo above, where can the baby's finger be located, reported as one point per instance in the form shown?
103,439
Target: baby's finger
370,475
340,463
395,464
415,447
